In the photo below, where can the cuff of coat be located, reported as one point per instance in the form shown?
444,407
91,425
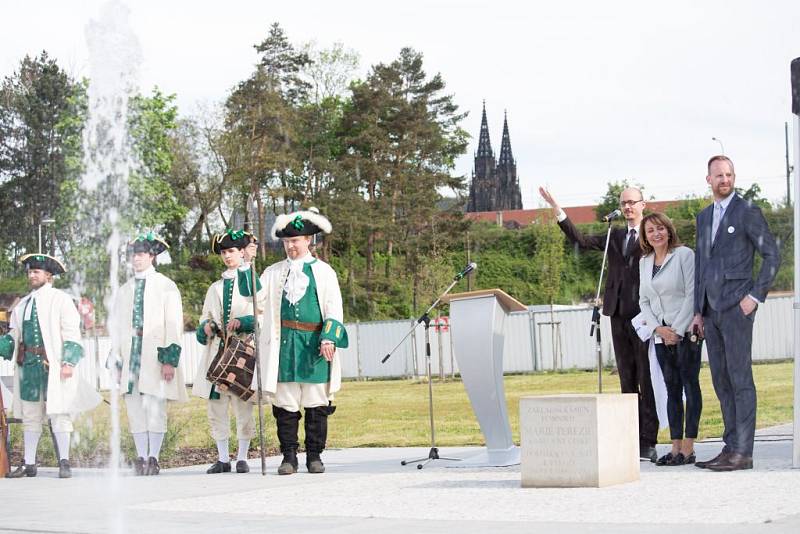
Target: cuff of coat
72,353
246,324
333,330
170,355
6,347
202,338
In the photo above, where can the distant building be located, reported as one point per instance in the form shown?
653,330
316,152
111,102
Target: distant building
577,214
494,186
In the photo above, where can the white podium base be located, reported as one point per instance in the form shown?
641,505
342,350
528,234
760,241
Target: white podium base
493,458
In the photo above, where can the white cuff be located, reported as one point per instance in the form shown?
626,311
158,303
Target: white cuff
561,215
755,299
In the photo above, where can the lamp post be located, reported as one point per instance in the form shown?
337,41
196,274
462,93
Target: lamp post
43,222
721,146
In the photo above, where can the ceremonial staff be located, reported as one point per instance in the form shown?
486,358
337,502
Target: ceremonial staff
5,463
259,395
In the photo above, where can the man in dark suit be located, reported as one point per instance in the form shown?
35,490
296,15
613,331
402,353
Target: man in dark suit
621,304
729,232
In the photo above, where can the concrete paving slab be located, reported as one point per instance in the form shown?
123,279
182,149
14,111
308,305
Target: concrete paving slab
366,490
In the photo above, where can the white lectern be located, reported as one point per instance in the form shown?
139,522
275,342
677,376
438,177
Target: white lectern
476,324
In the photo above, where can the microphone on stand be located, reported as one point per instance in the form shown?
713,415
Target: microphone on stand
611,216
468,269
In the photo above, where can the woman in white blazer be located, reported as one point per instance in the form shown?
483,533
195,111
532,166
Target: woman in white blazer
666,299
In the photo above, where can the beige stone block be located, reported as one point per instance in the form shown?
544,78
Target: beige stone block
570,441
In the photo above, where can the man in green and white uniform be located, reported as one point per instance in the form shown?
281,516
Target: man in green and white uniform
302,330
148,334
228,310
45,339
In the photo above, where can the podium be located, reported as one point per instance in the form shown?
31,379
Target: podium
476,324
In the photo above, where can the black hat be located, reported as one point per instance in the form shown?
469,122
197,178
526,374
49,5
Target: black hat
149,243
300,223
229,239
44,262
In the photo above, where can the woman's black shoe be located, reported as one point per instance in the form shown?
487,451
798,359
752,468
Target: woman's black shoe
666,459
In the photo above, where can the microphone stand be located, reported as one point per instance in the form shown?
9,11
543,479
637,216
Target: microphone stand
433,454
594,330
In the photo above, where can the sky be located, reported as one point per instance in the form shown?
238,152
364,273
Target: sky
594,91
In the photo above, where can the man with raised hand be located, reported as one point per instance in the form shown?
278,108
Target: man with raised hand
45,339
621,304
149,336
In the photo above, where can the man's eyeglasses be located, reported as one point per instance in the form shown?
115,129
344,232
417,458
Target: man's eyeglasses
629,203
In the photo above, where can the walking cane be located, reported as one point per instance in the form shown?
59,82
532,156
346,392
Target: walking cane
256,329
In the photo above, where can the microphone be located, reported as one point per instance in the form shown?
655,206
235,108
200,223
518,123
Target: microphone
611,216
468,269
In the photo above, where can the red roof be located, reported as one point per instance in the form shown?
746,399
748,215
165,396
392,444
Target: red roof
578,214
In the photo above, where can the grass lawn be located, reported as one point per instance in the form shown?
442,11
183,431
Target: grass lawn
386,413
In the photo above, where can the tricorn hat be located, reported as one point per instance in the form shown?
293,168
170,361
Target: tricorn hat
251,237
229,239
149,243
308,222
43,261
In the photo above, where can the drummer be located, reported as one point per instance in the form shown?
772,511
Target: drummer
227,311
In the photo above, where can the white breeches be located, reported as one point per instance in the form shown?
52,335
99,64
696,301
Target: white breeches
291,396
219,420
146,413
34,416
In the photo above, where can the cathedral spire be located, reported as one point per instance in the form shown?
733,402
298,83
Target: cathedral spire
506,157
484,145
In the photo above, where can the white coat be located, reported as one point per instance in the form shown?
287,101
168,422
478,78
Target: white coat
59,321
330,300
163,326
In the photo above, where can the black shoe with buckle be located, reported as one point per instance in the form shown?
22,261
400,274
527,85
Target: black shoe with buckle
27,470
64,469
242,466
152,466
219,467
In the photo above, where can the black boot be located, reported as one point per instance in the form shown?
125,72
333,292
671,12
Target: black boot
288,423
316,425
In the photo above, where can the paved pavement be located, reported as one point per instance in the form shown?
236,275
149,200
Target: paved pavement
367,490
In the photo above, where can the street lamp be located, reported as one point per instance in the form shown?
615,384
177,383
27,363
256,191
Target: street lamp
43,222
718,140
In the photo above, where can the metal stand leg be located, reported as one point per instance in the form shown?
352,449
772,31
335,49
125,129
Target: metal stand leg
433,454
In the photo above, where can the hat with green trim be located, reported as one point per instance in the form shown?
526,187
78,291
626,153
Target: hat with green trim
307,222
229,239
149,243
43,261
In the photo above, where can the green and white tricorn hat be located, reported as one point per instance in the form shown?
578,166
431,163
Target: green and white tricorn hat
306,222
229,239
149,242
44,262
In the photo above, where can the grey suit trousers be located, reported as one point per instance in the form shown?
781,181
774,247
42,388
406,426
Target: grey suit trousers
729,337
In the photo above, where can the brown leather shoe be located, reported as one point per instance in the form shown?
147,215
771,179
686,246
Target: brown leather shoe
721,457
734,462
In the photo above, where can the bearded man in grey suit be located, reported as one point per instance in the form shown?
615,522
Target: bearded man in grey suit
726,297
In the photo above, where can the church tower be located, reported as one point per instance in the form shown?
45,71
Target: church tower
494,184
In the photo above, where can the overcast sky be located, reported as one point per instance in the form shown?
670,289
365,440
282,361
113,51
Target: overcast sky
595,91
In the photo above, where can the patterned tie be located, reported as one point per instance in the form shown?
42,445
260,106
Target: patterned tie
715,220
631,244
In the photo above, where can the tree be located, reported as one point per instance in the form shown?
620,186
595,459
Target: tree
42,111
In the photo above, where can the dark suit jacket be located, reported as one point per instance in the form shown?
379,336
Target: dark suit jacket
724,271
621,296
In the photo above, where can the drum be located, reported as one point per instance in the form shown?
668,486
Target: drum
233,368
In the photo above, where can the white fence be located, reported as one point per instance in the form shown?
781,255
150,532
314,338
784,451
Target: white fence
529,345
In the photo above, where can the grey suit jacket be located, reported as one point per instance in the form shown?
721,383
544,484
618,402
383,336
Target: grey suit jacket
668,297
724,270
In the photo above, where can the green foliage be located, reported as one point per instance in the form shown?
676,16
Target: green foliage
549,258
